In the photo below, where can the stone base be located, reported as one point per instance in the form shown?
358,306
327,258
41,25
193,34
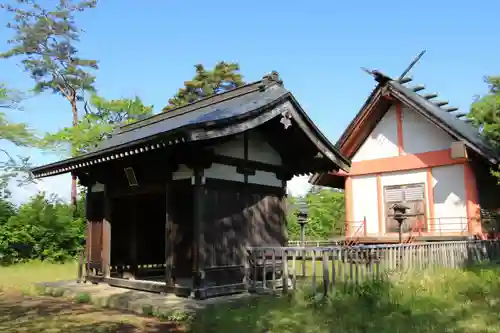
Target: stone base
140,302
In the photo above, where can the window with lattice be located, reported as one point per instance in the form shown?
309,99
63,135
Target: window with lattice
412,196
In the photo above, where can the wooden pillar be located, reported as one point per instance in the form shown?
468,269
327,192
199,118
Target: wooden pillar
246,199
198,235
169,240
283,205
133,236
106,234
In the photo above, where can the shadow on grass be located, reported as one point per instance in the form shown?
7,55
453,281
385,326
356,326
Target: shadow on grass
444,301
41,314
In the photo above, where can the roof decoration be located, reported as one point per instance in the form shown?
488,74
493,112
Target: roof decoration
447,118
442,104
224,114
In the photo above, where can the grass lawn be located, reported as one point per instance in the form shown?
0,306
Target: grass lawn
21,277
444,301
23,311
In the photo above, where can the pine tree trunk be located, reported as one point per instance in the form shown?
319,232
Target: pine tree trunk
74,193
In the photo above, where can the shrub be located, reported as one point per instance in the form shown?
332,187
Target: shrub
44,229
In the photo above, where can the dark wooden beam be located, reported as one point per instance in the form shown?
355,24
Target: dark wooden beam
106,234
169,236
133,236
85,179
245,158
198,241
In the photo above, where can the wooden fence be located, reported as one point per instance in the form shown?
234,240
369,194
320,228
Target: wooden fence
284,269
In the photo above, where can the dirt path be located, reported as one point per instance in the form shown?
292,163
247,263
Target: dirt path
20,313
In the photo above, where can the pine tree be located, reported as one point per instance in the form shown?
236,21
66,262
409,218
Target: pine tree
223,77
18,134
45,41
101,118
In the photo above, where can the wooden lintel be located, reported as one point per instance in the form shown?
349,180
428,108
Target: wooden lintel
240,162
85,179
197,158
284,175
245,171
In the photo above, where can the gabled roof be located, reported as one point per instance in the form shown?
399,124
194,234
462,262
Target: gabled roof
378,103
455,126
254,103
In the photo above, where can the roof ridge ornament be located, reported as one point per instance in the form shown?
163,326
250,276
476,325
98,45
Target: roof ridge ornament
273,77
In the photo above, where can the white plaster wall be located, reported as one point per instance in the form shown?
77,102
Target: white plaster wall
365,203
228,172
404,178
265,178
182,173
382,141
420,135
225,172
97,187
450,210
258,149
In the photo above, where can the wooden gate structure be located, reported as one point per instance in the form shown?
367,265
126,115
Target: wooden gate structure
175,200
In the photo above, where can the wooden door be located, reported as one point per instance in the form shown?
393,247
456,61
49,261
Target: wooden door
94,213
412,196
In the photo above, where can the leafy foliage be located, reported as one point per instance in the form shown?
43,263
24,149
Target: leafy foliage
326,215
43,228
485,114
7,210
17,133
45,40
101,118
223,77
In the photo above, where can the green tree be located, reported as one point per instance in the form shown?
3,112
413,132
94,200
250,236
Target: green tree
485,114
16,133
43,228
101,118
326,211
45,40
7,210
223,77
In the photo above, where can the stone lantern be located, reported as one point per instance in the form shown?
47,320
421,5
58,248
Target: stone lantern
400,216
302,217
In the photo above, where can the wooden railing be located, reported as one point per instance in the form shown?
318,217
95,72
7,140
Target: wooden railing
285,269
353,230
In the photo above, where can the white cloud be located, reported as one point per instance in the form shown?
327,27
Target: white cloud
58,185
298,186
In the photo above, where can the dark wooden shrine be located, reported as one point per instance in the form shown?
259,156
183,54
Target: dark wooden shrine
174,200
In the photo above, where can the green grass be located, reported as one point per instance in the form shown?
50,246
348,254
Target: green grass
460,301
439,301
23,310
22,277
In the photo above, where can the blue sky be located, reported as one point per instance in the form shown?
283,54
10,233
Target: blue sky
317,47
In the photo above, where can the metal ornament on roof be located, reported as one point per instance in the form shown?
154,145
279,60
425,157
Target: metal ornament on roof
286,117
